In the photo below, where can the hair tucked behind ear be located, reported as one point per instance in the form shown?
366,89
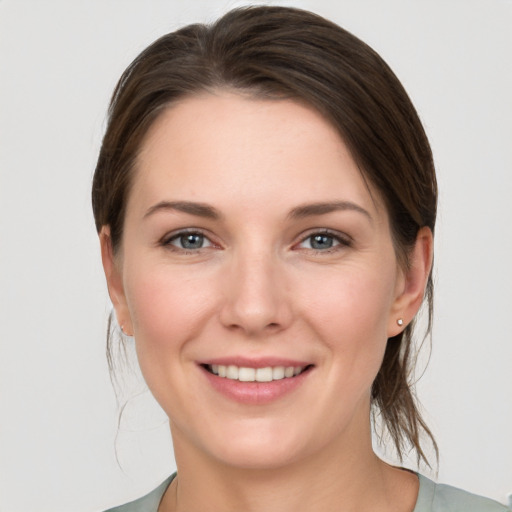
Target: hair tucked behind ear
280,52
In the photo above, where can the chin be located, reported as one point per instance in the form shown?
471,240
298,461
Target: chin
257,457
259,446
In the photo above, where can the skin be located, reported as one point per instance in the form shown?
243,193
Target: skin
260,287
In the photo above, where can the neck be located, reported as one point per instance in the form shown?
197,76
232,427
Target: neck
348,477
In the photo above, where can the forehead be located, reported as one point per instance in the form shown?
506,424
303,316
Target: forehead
227,146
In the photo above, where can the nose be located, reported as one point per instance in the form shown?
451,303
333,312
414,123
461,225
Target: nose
256,296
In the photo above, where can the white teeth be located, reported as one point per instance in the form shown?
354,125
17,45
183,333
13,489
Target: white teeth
278,373
246,374
232,372
266,374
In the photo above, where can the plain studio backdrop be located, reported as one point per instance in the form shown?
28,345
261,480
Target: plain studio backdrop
59,61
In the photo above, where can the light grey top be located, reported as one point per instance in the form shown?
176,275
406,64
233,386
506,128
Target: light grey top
432,497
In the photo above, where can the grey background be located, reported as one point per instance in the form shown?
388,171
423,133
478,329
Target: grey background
59,61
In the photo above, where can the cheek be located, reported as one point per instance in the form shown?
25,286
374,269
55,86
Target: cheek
358,300
167,310
351,316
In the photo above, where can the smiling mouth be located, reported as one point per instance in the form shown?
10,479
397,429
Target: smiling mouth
265,374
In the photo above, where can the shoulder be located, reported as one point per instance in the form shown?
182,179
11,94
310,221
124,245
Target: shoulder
434,497
148,503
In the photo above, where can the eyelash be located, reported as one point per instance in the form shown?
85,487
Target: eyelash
340,241
167,241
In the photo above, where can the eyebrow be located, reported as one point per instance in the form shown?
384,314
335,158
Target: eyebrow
313,209
192,208
299,212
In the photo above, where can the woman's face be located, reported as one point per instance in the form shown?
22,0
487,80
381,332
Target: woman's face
253,247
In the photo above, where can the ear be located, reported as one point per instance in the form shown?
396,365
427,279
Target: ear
412,283
115,285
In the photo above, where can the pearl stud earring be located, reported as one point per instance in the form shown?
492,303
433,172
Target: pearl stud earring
400,322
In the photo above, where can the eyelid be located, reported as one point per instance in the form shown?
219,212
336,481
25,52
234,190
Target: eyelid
343,239
166,240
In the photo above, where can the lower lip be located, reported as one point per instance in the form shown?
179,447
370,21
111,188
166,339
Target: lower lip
255,393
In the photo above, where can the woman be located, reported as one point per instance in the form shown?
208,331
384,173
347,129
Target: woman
266,198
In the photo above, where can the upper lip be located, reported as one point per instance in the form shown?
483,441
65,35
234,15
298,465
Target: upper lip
256,362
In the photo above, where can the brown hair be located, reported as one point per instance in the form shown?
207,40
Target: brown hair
280,52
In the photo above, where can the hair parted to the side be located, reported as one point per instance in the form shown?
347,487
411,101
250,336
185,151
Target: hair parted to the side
279,52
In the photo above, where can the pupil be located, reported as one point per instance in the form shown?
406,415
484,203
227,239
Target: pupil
192,241
321,242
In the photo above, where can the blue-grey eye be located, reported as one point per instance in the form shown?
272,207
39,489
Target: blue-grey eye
319,242
190,241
